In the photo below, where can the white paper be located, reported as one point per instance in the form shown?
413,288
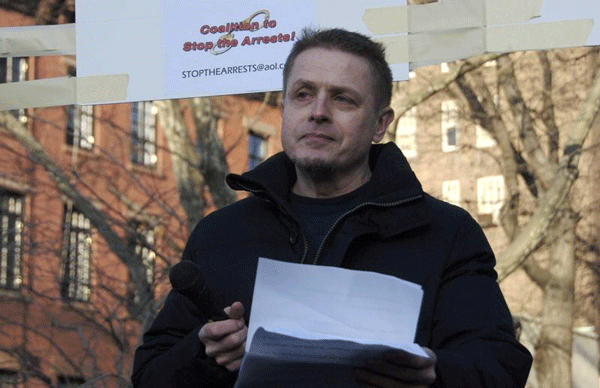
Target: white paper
359,314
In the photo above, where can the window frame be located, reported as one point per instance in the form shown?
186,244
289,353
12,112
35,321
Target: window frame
12,209
261,148
449,121
143,134
77,253
406,133
7,75
80,126
451,191
491,196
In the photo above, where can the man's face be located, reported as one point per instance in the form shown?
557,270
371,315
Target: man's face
330,115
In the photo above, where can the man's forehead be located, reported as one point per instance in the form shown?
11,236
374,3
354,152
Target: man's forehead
335,67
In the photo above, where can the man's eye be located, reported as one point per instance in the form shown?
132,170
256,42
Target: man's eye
342,98
302,94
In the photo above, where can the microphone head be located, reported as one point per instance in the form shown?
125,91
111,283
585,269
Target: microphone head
184,275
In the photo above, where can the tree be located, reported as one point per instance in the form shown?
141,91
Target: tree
108,193
539,158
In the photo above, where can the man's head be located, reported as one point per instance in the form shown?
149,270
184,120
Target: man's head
333,109
351,43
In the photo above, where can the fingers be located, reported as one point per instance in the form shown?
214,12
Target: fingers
214,331
225,341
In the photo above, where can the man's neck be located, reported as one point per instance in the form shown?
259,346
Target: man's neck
329,187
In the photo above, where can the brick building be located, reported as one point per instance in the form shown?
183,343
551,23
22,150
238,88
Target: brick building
68,308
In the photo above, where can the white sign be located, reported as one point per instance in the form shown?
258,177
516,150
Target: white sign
189,48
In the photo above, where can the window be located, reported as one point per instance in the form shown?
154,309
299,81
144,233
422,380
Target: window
450,129
406,129
11,229
142,241
80,126
77,248
70,382
8,379
14,70
483,139
257,149
143,134
490,196
451,192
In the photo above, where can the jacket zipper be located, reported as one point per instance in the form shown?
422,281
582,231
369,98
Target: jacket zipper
389,204
304,239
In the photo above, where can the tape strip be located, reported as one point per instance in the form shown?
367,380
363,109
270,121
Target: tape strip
539,36
63,91
396,48
386,20
512,11
442,46
103,88
35,41
449,15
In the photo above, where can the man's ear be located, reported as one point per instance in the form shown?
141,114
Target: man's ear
386,116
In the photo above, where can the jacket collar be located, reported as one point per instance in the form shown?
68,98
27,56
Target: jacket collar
392,178
392,184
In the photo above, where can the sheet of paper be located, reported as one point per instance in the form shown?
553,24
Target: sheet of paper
276,360
306,316
312,301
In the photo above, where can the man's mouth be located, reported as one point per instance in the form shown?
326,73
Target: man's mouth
313,135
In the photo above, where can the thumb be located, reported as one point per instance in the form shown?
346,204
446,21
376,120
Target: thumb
235,311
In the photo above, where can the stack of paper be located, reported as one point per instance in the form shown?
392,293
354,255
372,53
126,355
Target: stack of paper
310,325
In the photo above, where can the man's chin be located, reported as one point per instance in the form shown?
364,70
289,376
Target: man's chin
315,168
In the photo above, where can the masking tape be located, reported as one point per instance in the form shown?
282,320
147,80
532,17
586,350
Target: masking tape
104,88
63,91
449,15
539,36
443,46
386,20
30,41
396,48
511,11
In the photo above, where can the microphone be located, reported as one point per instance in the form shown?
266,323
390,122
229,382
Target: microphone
186,278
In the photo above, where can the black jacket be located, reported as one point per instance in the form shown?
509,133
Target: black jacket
398,230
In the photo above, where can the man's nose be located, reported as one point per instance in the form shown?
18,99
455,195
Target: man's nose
320,112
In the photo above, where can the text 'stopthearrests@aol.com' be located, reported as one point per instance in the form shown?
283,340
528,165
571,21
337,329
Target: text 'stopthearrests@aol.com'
241,69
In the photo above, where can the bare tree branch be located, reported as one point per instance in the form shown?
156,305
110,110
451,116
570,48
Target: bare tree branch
535,155
534,231
184,159
100,220
547,114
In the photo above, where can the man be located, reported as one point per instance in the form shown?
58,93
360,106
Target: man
332,198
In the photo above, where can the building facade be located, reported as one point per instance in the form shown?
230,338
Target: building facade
69,310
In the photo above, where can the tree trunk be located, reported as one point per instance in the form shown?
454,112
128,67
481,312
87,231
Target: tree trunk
553,353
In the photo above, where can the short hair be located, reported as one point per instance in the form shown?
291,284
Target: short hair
351,43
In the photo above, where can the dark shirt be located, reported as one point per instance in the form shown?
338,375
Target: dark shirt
317,216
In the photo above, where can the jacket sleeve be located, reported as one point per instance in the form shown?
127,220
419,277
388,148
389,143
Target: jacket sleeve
472,330
172,355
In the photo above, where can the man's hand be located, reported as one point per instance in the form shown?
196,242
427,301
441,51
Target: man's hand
398,370
225,340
